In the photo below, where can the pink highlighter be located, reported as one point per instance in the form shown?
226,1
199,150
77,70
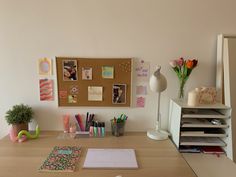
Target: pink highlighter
91,133
66,120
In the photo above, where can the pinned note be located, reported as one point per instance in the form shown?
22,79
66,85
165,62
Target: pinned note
94,93
142,71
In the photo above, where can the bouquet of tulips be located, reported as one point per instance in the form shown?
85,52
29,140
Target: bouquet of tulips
183,69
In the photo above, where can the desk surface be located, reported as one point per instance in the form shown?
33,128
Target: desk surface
155,158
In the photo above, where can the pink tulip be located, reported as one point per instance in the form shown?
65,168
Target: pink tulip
180,62
173,63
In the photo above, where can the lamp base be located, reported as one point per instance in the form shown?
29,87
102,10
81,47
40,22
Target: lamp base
157,134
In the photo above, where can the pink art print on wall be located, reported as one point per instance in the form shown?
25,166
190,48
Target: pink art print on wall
46,89
141,90
140,102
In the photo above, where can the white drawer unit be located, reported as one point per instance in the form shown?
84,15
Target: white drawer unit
203,125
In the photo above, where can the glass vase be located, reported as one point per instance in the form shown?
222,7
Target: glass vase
182,82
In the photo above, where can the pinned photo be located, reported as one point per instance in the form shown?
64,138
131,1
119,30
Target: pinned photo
107,72
63,94
74,89
72,98
87,73
119,94
70,70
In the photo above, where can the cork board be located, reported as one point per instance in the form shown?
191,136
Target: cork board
94,81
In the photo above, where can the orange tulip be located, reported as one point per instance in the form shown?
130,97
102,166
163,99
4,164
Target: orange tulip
189,64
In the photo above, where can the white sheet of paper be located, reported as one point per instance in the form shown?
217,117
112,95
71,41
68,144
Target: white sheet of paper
110,158
94,93
142,71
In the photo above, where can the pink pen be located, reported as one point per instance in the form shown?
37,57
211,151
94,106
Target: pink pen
79,120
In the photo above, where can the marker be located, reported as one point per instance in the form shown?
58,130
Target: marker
91,129
95,129
99,129
103,128
118,120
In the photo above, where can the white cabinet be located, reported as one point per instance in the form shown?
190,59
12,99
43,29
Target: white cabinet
203,125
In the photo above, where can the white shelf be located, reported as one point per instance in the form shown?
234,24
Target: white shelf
201,141
203,114
200,123
204,126
192,126
190,134
184,104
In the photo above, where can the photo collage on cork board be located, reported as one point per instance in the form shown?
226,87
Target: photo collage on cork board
102,82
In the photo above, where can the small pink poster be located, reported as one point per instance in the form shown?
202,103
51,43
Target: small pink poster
46,89
140,102
141,90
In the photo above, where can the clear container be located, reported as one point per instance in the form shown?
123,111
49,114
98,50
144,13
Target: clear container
117,129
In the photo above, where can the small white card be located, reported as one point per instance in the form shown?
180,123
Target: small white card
94,93
87,73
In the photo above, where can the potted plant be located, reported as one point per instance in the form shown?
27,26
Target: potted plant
19,117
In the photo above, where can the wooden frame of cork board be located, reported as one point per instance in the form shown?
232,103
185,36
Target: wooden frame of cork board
107,82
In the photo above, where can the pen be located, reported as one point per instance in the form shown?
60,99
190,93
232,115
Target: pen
79,120
86,123
124,117
119,119
92,117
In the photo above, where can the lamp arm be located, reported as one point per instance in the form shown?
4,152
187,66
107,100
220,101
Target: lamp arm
158,126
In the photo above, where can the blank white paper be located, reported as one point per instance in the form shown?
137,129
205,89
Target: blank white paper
110,158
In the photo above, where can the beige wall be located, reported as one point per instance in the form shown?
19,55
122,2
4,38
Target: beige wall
153,30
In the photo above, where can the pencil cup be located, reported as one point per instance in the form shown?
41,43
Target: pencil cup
117,129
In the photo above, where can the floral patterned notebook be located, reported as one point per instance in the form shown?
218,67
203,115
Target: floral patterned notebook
62,159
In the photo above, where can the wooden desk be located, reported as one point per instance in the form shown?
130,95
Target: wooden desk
155,158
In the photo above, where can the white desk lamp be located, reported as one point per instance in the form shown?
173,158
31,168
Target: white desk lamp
158,84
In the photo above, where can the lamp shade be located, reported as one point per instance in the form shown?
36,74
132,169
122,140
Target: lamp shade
158,81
